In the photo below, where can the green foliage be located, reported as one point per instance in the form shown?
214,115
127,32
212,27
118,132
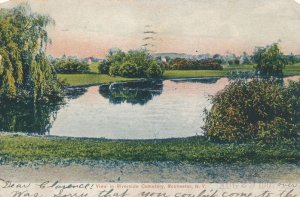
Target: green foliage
191,64
132,92
291,59
234,61
71,67
103,67
270,61
128,69
26,72
262,110
93,78
32,118
135,63
277,130
114,69
8,85
154,70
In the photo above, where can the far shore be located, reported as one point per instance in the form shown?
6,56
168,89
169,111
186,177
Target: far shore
94,78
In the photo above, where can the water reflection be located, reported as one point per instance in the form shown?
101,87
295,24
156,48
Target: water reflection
205,80
124,111
120,110
27,118
75,92
131,92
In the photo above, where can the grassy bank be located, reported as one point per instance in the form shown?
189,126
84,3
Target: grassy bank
26,149
95,78
90,79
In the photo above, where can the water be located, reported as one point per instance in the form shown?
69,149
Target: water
138,110
133,110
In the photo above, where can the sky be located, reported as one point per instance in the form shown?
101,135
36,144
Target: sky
91,27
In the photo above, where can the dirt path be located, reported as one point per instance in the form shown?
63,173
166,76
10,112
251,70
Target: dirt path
110,171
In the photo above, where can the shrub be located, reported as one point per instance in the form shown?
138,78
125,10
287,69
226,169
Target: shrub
276,130
104,67
128,69
135,63
114,69
71,67
154,70
189,64
259,109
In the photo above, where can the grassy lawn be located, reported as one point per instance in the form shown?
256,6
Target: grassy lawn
292,69
89,79
95,78
25,149
289,70
169,74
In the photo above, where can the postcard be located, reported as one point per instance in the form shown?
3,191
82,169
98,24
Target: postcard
150,98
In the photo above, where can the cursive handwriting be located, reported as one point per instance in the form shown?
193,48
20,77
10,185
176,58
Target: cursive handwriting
8,184
59,189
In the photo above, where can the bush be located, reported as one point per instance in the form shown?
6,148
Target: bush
71,67
262,110
189,64
128,69
276,130
114,69
135,63
154,71
104,67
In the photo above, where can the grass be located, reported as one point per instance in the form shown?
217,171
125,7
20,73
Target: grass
207,73
169,74
94,78
94,67
90,79
292,69
27,149
289,71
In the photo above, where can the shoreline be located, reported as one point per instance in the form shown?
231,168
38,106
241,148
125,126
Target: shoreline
145,79
169,139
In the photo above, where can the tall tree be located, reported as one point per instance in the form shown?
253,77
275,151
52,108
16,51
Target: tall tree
270,60
26,71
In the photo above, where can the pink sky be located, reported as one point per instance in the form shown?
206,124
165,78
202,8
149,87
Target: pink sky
92,27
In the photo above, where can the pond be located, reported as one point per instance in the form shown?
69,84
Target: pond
131,110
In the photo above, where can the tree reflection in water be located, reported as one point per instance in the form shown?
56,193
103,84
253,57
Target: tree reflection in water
131,92
27,118
75,92
206,80
33,118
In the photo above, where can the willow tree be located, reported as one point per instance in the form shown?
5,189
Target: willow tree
270,61
25,72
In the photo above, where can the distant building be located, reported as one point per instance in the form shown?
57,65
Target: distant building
91,60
